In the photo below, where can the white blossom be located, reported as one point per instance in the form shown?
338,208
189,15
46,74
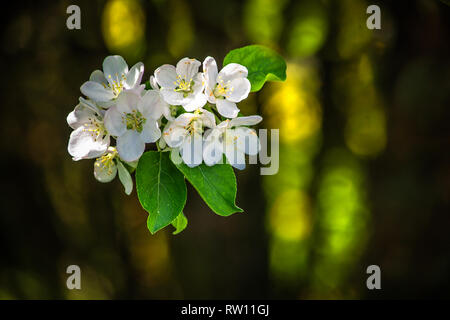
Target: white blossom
232,138
182,85
103,87
185,134
226,88
89,139
132,122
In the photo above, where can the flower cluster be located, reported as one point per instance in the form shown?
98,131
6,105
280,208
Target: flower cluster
190,112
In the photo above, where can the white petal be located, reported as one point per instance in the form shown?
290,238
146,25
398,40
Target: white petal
127,101
130,146
245,121
174,135
193,102
104,173
227,108
85,144
184,119
153,83
167,112
152,105
114,68
166,76
212,152
235,156
187,68
172,97
199,83
232,71
210,73
96,91
114,122
134,76
150,132
125,178
98,76
247,140
239,90
208,119
192,150
91,105
79,116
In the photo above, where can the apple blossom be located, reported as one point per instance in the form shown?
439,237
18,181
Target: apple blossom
103,87
227,87
182,85
185,134
89,139
132,122
232,138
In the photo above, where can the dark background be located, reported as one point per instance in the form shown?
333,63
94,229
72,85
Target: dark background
364,164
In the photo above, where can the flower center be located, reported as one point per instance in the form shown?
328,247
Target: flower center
184,85
222,88
106,162
117,84
135,121
96,128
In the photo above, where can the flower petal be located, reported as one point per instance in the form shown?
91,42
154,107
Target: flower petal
166,76
187,68
174,135
153,83
152,105
96,91
247,140
150,132
85,144
79,116
192,150
212,151
235,156
232,71
114,122
208,119
91,105
193,102
240,88
227,108
172,97
245,121
130,146
114,68
98,76
127,101
210,74
134,76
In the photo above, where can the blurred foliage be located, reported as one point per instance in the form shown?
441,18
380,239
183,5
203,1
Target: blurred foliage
364,175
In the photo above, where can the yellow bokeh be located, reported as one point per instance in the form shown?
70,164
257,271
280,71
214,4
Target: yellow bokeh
290,215
292,107
123,25
180,34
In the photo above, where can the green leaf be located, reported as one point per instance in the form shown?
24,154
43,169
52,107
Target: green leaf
161,189
263,64
215,184
180,223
